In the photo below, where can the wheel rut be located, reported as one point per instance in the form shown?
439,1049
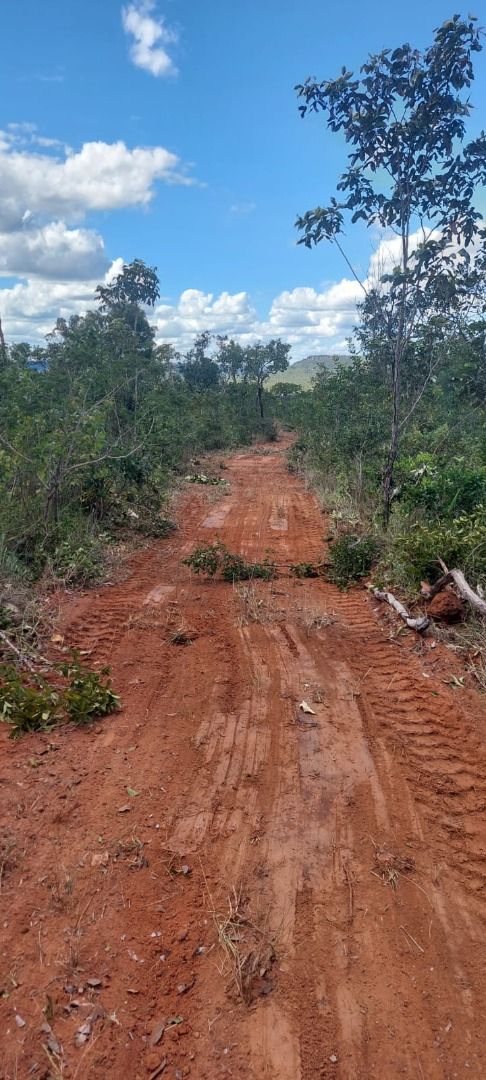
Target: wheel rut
352,837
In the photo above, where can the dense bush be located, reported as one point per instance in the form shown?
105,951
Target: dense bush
444,491
459,543
352,558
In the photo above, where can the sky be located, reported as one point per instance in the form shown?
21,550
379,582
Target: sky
168,130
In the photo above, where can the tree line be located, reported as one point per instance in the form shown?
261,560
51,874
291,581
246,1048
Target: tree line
95,423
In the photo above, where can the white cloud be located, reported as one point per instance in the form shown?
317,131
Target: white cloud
311,320
99,176
151,37
53,251
195,311
29,309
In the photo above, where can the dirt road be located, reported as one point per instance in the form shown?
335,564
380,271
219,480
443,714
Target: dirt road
212,840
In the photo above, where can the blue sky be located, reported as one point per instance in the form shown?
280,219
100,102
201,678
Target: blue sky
201,164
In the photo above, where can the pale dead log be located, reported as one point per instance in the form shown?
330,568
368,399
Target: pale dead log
464,589
419,624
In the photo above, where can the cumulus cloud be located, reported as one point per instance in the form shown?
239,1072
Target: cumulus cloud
194,311
53,251
29,309
48,187
151,38
68,185
312,320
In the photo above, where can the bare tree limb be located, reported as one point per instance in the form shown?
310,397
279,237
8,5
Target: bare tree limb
20,656
465,589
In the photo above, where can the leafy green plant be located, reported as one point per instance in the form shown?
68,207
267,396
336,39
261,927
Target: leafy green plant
304,570
89,694
445,492
213,557
414,554
28,708
206,559
352,558
235,568
79,564
36,705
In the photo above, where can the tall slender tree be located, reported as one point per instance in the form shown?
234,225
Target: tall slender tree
409,171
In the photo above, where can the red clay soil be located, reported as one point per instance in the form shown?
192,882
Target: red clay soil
214,883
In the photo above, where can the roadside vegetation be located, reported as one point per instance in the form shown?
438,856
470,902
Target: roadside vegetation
96,427
395,440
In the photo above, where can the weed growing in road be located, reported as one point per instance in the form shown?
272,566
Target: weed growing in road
304,570
206,559
89,693
213,557
36,705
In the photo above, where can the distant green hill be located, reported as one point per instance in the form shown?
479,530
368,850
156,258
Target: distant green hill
303,371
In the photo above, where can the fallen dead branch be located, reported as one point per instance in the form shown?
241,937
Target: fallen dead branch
419,624
21,657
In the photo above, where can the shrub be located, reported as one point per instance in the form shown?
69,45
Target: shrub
79,564
38,706
445,492
27,708
352,558
208,560
89,694
460,543
234,568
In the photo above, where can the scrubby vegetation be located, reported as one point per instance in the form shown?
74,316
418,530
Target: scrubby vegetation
216,558
95,425
395,440
34,703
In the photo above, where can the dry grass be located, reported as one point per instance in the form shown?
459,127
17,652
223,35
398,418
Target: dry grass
389,866
248,952
468,641
258,604
312,620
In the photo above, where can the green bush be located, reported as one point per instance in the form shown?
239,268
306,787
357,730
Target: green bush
89,694
27,708
445,492
235,568
79,564
459,543
352,558
35,705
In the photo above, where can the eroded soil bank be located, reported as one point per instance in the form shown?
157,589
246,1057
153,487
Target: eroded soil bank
213,840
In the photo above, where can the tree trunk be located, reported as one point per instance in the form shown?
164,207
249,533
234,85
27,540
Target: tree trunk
3,347
399,348
463,587
260,400
394,440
